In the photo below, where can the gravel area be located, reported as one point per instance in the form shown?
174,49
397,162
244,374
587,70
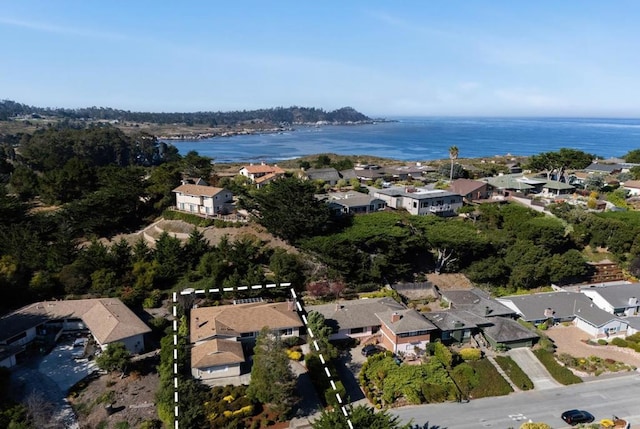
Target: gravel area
569,339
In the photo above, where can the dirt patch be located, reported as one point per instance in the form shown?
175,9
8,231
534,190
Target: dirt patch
450,281
132,398
213,234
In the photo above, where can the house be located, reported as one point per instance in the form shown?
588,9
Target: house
216,358
596,167
617,299
353,202
222,334
243,322
329,176
404,331
505,184
408,172
421,201
476,302
562,306
203,200
365,172
632,187
605,271
507,333
471,189
42,323
261,174
554,188
452,326
357,318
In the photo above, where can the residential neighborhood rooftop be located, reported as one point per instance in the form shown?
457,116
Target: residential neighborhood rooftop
108,319
216,352
408,320
356,313
234,320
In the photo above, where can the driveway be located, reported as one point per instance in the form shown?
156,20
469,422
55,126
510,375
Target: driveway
537,372
51,377
570,340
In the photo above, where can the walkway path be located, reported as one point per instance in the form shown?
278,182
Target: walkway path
531,366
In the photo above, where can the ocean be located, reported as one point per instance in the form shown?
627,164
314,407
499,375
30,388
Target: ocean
423,139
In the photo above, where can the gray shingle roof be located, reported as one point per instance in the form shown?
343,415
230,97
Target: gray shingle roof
410,321
359,313
477,302
418,194
617,295
451,320
504,330
563,304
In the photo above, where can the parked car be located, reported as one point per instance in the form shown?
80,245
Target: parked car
371,350
574,417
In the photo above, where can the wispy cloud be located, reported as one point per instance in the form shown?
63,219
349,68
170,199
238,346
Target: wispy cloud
58,29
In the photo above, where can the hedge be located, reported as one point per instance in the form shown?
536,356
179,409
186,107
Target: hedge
560,373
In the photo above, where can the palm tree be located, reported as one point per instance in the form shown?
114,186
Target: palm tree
453,155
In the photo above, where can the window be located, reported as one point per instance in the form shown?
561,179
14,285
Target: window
412,334
356,330
288,331
415,204
247,335
213,369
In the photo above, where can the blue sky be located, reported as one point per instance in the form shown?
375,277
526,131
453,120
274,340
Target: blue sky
430,58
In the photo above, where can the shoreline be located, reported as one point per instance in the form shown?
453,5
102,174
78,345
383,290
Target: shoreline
257,131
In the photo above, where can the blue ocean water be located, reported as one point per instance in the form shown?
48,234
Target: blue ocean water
423,139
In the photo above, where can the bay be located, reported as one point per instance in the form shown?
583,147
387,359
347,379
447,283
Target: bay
423,139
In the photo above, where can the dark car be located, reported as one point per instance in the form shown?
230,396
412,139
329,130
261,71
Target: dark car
371,350
574,417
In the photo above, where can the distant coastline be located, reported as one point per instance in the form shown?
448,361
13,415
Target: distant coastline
423,139
241,131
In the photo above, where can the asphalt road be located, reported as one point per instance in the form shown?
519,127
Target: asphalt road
619,395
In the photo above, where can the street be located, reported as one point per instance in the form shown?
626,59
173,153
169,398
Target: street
619,395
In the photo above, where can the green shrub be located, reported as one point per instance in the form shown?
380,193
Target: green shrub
535,426
470,354
635,337
620,342
602,342
514,372
560,373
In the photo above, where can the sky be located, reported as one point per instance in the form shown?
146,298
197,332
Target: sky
383,58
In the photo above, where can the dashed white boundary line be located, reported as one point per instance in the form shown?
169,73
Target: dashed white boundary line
298,305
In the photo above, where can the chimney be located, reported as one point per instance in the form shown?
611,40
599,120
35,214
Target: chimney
487,311
290,305
395,317
633,301
548,312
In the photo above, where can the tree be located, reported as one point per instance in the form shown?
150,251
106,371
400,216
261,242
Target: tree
453,155
272,381
555,163
114,357
195,165
288,208
317,324
361,417
633,156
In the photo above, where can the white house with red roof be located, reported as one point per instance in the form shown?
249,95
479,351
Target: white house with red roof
261,174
